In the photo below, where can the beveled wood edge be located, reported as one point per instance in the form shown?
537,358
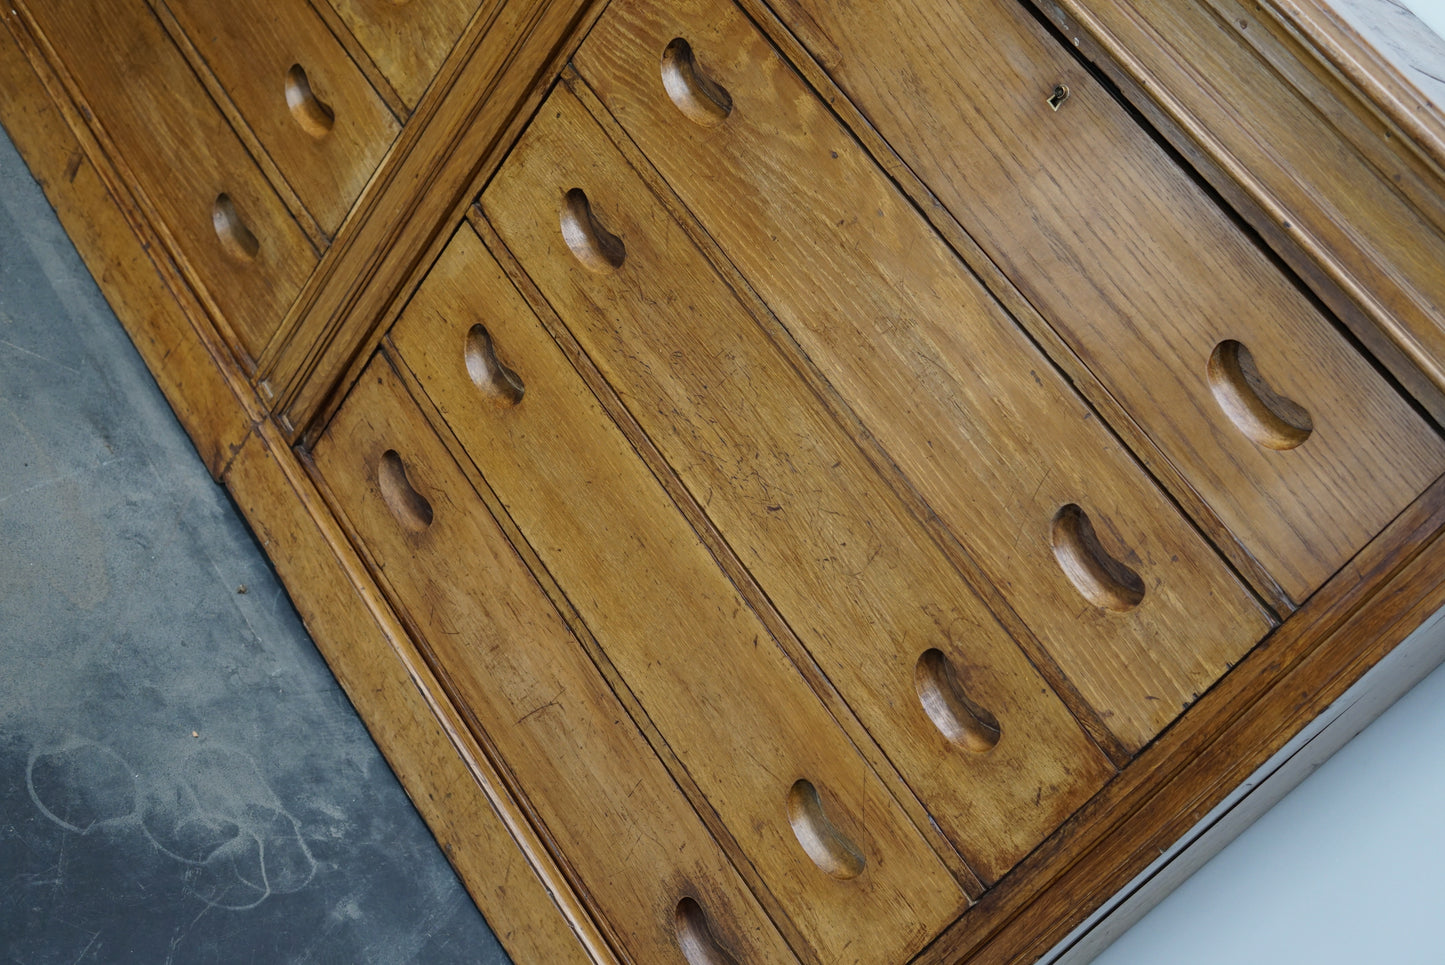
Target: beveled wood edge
536,915
1033,324
1379,80
473,111
1384,593
1408,341
358,54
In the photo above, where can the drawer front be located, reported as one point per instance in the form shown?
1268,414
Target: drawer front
642,854
233,231
407,41
721,692
1302,450
860,584
308,104
982,424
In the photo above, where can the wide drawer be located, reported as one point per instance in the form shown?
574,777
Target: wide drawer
407,40
308,104
233,232
858,582
645,859
829,842
1136,609
1296,443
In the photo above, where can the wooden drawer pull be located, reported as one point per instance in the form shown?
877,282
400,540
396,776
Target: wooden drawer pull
406,504
236,239
697,95
495,381
694,937
313,114
959,719
830,850
594,246
1262,414
1101,579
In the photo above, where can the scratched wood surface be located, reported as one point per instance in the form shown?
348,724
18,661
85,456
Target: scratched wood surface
856,579
174,143
509,661
706,671
325,127
407,41
973,413
1138,269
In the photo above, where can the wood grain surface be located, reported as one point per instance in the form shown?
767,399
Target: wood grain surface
858,582
706,671
1140,271
325,128
973,413
174,145
514,669
408,41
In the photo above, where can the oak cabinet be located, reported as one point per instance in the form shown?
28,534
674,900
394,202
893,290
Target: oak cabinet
790,481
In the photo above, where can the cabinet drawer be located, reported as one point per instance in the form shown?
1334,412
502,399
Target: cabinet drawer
722,693
407,41
858,582
232,230
308,104
995,440
1298,446
513,667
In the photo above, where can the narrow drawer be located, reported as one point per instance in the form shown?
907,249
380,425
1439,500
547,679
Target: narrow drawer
1137,610
642,854
308,104
233,231
406,40
742,721
858,581
1295,442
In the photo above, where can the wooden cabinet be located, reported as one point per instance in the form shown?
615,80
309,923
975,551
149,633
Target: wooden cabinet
782,482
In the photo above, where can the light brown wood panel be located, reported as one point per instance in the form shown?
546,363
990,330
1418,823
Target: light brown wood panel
249,255
308,104
973,413
407,40
1137,268
720,690
514,668
857,580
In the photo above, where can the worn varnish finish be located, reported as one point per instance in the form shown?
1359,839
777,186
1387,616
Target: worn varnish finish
310,107
971,411
776,436
508,659
1138,269
408,41
236,239
707,673
858,581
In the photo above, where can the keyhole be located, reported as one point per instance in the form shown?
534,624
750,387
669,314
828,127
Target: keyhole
1059,95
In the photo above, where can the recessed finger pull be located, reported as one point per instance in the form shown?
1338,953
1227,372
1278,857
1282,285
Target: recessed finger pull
1099,577
409,506
314,115
594,246
694,937
829,849
236,239
495,381
697,95
959,719
1257,410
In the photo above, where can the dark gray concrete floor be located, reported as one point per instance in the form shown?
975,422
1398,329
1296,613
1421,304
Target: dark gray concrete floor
181,780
